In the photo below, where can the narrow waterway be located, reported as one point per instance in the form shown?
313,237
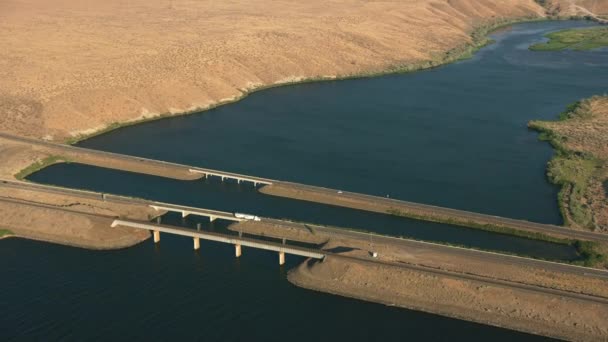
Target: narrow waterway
454,136
232,197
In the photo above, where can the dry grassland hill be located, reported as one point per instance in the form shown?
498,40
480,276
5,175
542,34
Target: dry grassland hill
74,66
592,8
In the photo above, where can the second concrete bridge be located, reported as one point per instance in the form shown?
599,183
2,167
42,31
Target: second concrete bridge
238,242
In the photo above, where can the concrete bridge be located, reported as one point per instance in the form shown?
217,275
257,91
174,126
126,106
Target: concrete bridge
301,191
238,242
229,175
185,211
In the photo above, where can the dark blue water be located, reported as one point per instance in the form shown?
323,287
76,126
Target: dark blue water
230,196
453,136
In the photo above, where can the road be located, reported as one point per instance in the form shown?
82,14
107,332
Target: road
344,233
482,256
341,197
461,215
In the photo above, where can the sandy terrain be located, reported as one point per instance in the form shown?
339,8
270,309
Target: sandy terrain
63,219
17,156
66,227
428,255
279,231
594,8
519,309
73,66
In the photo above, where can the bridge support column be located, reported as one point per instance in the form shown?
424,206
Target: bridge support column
237,250
281,258
156,236
184,214
197,243
212,218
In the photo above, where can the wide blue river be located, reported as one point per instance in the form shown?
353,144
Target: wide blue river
454,136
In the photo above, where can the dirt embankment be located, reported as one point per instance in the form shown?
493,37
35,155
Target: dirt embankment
415,210
76,66
432,256
534,312
19,156
278,231
67,220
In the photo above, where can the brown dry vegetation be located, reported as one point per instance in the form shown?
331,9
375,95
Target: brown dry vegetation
66,226
70,220
577,8
75,66
519,309
581,162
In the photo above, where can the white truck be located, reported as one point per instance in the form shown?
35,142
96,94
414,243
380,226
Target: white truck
247,216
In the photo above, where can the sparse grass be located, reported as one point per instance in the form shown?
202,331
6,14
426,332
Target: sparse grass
5,232
589,252
579,165
39,165
574,39
487,227
573,173
465,51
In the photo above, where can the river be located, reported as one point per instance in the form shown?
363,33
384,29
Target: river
454,136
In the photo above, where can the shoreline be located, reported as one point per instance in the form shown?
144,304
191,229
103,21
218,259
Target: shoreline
578,204
479,39
360,280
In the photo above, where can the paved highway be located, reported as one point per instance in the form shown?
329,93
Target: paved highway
401,242
430,209
482,256
452,213
432,271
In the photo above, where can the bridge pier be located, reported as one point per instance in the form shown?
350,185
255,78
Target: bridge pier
156,236
212,218
281,258
184,214
237,250
197,243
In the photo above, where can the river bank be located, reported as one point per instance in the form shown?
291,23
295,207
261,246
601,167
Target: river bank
518,309
181,74
69,220
579,166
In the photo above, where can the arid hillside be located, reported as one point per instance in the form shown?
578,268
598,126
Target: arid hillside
593,8
74,66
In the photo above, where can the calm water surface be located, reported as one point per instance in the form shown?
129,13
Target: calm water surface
453,136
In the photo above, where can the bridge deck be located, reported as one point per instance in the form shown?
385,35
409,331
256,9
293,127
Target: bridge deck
197,211
225,238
